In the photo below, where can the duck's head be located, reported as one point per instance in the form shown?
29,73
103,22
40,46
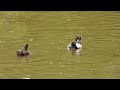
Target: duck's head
26,47
78,38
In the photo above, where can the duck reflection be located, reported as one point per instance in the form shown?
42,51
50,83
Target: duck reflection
75,52
24,58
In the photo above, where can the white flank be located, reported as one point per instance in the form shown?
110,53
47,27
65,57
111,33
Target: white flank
79,46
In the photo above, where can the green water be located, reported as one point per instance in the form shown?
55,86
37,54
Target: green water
48,33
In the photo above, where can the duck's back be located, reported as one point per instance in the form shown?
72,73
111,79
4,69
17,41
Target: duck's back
23,52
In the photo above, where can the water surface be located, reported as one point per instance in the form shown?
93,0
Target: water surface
48,33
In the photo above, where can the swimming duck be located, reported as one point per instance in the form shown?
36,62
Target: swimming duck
75,44
24,52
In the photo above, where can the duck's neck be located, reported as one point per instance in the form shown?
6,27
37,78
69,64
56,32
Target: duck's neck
26,47
78,41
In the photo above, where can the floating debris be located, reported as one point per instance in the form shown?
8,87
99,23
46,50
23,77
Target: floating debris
92,69
25,78
112,67
51,63
31,39
29,75
11,31
60,73
68,19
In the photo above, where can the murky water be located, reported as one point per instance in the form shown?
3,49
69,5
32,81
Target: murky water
48,33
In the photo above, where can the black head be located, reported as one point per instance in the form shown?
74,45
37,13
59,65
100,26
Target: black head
26,47
78,38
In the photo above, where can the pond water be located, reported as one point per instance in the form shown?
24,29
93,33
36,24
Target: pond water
48,33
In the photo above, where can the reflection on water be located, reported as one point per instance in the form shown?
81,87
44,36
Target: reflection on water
26,58
48,34
76,52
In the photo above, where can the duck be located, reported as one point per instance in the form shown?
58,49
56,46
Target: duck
76,44
23,52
